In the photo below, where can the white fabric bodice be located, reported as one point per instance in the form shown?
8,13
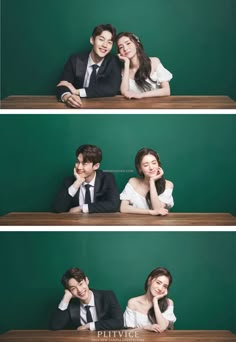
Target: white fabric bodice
160,75
138,201
135,319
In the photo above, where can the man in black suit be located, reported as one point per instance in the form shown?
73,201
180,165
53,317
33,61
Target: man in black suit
82,308
90,190
94,74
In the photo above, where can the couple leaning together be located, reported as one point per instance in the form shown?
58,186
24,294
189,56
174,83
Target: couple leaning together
99,74
82,308
91,190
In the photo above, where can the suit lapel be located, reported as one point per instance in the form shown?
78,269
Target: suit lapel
97,184
81,66
78,193
98,303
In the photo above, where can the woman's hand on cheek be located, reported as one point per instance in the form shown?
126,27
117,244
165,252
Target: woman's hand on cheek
124,59
159,174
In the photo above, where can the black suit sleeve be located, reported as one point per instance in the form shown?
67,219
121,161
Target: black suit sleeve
107,199
114,319
60,320
108,82
67,75
63,201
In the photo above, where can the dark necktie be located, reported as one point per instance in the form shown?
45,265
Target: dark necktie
88,314
93,77
87,194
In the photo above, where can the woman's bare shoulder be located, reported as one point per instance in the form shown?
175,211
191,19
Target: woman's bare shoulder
169,184
133,181
133,303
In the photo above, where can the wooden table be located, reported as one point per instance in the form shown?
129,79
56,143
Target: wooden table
116,219
118,336
119,102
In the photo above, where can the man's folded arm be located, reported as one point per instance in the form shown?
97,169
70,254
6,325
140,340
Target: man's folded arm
63,201
60,320
116,320
67,75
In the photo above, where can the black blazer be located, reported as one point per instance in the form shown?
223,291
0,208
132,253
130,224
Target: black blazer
108,76
106,195
109,313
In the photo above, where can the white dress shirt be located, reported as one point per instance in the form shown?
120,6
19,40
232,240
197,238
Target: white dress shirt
63,306
72,192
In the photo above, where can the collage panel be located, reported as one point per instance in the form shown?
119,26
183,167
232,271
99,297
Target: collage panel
196,153
172,47
201,292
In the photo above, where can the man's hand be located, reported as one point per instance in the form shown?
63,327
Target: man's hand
73,100
75,210
67,296
83,327
69,85
79,177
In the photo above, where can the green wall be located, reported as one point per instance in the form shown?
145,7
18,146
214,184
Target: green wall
202,265
197,153
195,39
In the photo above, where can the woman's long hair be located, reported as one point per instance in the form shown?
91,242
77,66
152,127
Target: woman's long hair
163,302
144,71
159,183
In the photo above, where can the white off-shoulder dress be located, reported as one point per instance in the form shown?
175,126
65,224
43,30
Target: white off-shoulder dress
138,201
135,319
160,75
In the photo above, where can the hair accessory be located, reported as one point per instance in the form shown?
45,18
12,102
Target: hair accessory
136,37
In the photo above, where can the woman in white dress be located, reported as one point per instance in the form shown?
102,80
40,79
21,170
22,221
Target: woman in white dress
150,193
152,311
142,76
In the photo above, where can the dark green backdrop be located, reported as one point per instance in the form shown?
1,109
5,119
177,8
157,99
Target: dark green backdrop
197,153
202,265
195,40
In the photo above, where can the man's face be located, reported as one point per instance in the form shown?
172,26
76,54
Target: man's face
80,289
85,169
102,44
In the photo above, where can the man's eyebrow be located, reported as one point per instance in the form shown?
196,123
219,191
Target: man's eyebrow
105,38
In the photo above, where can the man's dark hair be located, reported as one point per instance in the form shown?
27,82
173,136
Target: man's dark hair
104,27
91,153
75,273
